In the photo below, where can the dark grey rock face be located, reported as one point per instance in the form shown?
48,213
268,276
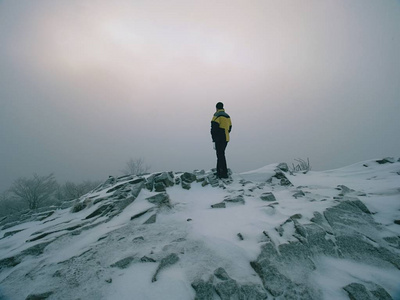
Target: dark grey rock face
109,182
188,177
212,180
299,194
151,220
252,292
226,287
284,167
393,241
274,281
235,199
227,290
15,260
10,233
165,262
345,190
221,284
296,216
380,293
358,291
159,187
347,218
386,160
358,236
138,239
147,259
318,240
346,230
9,262
36,249
150,182
204,289
102,210
166,179
361,249
219,205
268,196
140,214
42,296
123,263
160,199
160,182
123,194
186,185
320,220
284,181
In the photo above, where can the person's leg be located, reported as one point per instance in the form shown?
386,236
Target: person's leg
222,170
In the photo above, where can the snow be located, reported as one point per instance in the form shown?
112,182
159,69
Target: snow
205,238
336,273
261,174
135,284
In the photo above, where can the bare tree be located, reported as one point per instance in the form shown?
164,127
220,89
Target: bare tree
136,167
34,191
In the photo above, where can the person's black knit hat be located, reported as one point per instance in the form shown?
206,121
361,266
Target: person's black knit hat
220,105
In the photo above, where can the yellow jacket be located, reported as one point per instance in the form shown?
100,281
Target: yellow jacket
221,126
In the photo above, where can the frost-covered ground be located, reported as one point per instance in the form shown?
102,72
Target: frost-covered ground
266,233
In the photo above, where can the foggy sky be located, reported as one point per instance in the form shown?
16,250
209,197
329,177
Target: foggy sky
87,85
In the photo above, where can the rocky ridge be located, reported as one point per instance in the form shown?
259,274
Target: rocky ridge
140,223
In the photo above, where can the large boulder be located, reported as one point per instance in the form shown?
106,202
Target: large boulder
163,180
188,177
160,199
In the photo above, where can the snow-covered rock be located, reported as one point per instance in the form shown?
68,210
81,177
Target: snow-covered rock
264,234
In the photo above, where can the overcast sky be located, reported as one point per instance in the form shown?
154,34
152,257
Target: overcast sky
87,85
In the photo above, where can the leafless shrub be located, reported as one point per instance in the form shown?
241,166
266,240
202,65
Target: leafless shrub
301,166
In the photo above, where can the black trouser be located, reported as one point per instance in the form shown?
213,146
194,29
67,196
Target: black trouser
222,169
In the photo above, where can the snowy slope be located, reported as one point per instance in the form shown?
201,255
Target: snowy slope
265,234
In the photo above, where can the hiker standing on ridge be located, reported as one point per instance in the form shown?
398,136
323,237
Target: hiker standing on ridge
221,126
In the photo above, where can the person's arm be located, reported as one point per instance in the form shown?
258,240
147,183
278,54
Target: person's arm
214,129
